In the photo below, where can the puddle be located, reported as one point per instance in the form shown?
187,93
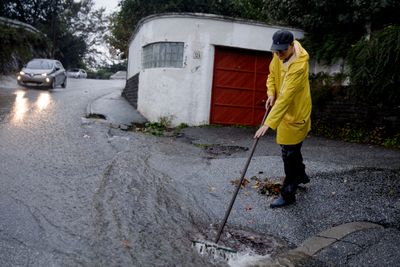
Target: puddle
217,149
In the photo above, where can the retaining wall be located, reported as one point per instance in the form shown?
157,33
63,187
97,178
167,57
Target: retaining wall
341,112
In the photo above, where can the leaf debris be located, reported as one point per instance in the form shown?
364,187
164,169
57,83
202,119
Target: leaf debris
264,186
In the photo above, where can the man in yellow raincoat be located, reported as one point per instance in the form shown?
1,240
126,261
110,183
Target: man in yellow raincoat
289,98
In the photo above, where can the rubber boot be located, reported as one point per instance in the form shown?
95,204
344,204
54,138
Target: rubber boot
287,197
304,180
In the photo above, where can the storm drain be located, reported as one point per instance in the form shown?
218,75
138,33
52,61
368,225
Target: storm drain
96,116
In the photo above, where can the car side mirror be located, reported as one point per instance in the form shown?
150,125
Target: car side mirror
57,68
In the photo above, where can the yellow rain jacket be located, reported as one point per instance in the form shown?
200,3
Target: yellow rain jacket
288,82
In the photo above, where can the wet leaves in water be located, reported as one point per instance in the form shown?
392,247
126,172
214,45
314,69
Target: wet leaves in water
270,188
263,186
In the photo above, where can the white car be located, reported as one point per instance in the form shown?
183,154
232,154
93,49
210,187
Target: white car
42,72
77,73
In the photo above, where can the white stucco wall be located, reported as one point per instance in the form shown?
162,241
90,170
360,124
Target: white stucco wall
184,94
337,67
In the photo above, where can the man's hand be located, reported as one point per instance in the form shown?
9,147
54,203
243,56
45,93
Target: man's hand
261,131
270,102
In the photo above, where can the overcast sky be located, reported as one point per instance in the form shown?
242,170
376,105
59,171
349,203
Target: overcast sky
109,5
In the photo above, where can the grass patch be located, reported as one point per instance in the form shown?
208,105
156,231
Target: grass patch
160,128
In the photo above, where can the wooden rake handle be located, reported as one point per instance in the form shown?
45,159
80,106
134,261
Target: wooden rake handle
228,211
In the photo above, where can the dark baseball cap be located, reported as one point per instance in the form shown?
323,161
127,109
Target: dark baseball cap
281,40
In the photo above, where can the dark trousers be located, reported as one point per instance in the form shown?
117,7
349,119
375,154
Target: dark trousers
294,169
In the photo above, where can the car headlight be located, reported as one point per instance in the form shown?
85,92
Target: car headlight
44,74
22,73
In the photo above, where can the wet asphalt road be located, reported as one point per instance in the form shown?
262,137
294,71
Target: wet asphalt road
75,192
51,162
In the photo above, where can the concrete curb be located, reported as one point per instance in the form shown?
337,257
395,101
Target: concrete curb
324,239
116,110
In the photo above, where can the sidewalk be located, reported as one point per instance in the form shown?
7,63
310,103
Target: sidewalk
354,243
116,110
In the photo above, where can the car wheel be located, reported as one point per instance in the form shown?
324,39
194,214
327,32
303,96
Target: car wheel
64,84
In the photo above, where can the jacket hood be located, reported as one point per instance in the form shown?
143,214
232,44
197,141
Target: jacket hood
301,53
299,58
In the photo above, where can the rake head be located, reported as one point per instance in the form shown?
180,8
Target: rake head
213,250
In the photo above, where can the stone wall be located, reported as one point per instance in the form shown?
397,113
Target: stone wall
341,112
18,48
130,91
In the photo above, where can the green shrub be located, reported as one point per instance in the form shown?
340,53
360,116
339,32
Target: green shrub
375,69
101,74
21,44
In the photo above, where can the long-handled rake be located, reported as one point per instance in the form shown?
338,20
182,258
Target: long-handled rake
206,247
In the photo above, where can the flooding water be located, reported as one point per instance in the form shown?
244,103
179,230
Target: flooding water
6,103
147,217
150,201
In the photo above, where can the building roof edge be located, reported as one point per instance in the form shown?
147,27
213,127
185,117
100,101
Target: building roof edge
205,16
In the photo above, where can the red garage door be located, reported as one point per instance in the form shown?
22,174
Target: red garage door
239,91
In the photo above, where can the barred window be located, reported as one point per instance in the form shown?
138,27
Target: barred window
163,55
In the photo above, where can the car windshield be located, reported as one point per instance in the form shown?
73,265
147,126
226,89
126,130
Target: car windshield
40,65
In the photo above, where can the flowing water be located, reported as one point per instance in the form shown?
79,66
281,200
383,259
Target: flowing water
144,207
6,102
147,211
77,193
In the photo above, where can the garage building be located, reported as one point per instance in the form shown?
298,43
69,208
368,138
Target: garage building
200,69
